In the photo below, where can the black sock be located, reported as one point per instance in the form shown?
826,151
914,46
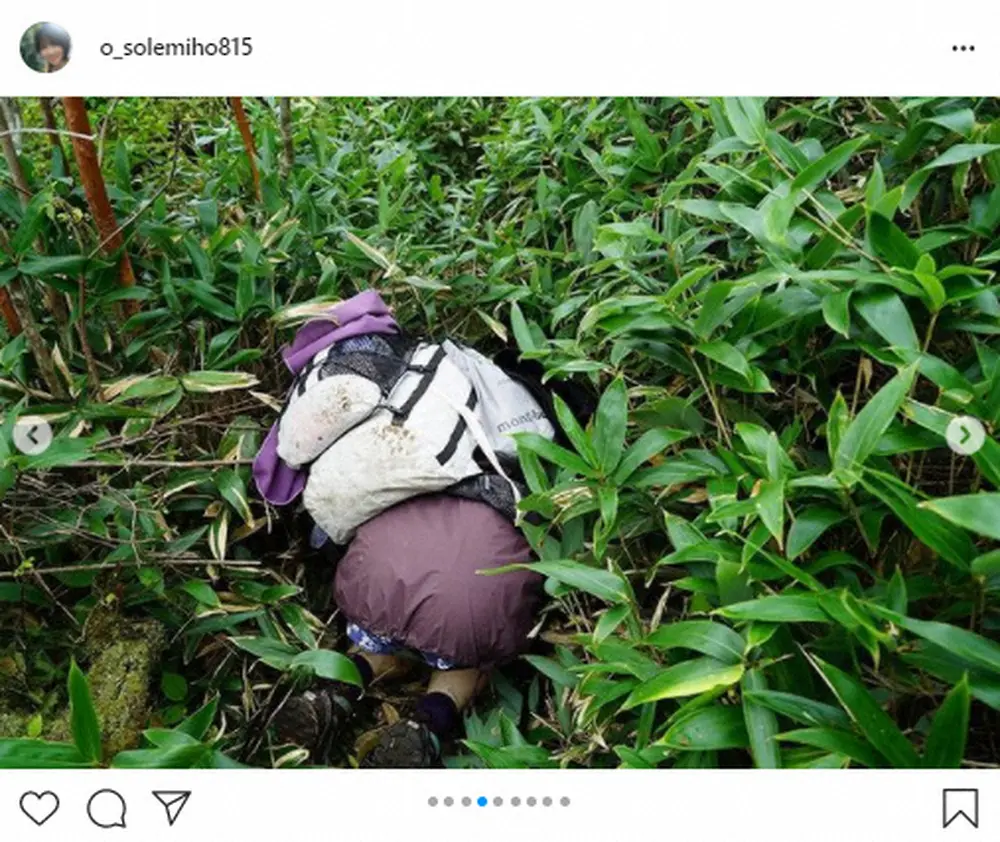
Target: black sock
438,712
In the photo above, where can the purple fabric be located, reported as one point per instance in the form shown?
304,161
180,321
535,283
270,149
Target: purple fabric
364,313
412,575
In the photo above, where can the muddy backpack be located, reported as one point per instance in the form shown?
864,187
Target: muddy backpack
378,419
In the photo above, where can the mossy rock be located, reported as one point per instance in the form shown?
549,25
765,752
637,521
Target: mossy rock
123,657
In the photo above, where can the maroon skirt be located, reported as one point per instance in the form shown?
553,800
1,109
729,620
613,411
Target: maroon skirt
410,574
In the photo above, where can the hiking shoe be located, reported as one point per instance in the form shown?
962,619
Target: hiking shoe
405,745
314,720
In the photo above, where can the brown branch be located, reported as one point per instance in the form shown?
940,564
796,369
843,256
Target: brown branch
97,195
285,110
181,562
39,350
9,313
55,304
49,115
244,126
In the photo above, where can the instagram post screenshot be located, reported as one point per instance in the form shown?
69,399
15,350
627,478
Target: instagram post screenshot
472,421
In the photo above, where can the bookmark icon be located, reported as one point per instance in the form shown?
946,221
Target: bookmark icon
173,802
961,803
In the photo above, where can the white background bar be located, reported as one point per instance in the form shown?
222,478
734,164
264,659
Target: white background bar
520,47
609,806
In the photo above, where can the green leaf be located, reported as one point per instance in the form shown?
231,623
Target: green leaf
808,526
832,162
574,432
725,354
770,505
551,452
41,267
800,708
781,608
272,652
522,333
610,620
326,663
839,742
713,639
234,491
36,754
961,122
553,670
972,648
864,432
203,592
746,116
887,315
987,564
761,723
950,542
978,513
173,757
584,224
945,748
609,425
84,726
876,725
597,581
891,244
714,728
688,678
837,313
198,723
962,152
174,686
651,443
207,382
896,596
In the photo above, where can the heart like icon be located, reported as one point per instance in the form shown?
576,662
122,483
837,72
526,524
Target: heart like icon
39,806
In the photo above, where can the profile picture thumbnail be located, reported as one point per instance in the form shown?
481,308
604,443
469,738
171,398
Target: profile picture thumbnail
45,47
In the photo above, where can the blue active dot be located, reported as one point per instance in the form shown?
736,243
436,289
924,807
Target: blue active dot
481,801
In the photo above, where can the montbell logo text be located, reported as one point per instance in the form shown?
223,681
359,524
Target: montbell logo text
527,418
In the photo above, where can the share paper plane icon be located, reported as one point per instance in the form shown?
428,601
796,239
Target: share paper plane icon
173,803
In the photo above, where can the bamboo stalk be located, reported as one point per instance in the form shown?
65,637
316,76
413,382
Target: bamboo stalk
155,562
53,300
97,195
10,316
288,142
244,126
49,115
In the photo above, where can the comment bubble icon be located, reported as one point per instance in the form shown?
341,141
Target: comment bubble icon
106,809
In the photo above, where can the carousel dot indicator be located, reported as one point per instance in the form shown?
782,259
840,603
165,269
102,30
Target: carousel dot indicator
481,801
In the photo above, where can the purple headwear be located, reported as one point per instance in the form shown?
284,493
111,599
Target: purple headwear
278,482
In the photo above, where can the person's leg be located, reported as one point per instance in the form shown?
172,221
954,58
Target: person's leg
416,742
315,718
449,693
378,667
458,685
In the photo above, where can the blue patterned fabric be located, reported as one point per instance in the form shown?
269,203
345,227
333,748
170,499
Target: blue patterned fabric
376,644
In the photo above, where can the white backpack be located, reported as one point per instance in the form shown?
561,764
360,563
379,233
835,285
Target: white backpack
377,424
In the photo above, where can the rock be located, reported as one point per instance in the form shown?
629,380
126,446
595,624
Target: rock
123,658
